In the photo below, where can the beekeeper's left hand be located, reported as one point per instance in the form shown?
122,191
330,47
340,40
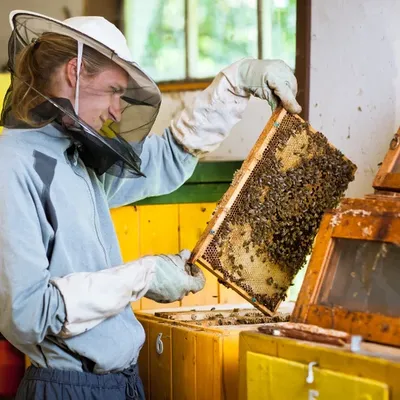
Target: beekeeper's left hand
203,125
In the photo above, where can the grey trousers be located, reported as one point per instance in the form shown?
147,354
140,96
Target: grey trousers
53,384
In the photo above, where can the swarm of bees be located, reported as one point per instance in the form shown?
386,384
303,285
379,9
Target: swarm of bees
268,232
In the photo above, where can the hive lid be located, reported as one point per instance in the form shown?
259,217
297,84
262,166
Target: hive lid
264,226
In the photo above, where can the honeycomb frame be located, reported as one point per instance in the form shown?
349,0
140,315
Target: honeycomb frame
283,150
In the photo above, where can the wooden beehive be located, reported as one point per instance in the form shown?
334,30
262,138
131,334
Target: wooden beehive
276,368
197,361
353,278
264,227
388,176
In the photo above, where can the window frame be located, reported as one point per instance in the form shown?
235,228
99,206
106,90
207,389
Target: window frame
113,9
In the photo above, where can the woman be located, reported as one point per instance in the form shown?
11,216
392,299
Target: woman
64,293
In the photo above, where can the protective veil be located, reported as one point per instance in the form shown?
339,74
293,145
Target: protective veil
116,148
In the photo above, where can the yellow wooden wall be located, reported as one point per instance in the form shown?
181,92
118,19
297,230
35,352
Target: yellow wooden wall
4,83
169,228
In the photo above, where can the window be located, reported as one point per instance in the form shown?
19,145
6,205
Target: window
183,40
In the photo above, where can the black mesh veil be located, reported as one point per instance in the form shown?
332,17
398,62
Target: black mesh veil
117,146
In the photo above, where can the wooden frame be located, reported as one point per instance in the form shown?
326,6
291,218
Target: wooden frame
372,219
240,179
303,55
387,178
183,86
109,9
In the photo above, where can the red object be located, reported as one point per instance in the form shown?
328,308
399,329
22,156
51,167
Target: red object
12,368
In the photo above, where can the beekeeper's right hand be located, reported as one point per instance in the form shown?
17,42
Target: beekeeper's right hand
92,297
174,278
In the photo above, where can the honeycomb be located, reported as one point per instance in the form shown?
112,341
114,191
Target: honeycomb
264,227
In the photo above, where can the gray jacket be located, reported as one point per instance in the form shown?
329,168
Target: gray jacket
55,220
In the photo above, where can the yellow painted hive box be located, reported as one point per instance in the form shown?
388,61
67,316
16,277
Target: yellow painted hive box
193,353
281,368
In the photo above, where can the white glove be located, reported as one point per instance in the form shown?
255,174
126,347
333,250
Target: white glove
91,297
174,278
202,126
271,80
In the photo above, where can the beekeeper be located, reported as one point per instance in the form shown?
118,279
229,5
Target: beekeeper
66,159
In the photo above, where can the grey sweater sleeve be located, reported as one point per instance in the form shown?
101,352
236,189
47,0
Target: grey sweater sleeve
166,164
30,306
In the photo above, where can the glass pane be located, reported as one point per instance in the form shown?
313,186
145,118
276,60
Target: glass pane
279,30
226,32
155,31
363,276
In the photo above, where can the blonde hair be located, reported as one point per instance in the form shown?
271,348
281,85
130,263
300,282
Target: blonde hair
35,66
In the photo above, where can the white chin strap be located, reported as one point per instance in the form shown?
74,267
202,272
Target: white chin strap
78,73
